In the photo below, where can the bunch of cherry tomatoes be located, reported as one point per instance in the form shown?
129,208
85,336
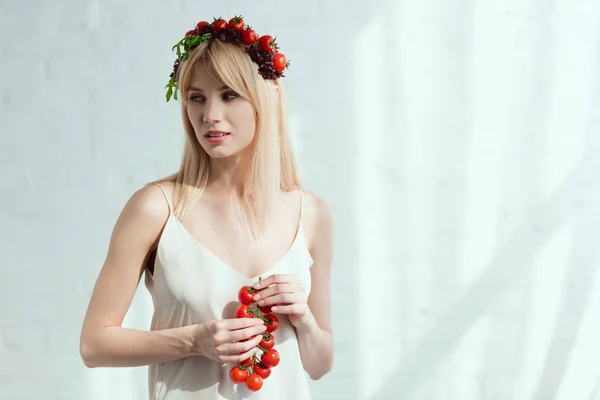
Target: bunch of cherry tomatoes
254,370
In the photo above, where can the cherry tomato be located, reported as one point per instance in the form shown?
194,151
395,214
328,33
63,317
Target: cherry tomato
219,24
262,371
279,63
267,342
246,362
246,294
189,33
236,23
238,375
273,325
243,312
200,25
266,43
270,359
265,309
254,382
249,36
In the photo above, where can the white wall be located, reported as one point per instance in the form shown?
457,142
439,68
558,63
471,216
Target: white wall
456,141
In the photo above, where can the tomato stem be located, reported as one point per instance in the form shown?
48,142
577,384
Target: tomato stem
250,366
255,311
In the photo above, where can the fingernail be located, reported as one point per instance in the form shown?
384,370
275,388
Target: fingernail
256,285
260,303
256,298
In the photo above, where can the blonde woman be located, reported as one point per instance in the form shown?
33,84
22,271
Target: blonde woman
232,227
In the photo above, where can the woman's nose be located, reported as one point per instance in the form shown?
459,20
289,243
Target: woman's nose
213,112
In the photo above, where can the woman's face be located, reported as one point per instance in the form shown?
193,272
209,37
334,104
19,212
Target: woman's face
223,121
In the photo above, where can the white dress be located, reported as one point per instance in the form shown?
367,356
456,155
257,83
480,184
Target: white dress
189,285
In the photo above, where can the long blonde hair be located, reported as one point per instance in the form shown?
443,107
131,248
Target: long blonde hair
272,167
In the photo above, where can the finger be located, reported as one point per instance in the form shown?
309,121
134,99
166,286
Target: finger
228,333
225,325
238,358
244,334
234,349
283,298
279,288
292,309
240,323
275,279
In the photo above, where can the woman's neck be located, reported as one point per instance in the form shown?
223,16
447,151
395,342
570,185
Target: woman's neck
227,175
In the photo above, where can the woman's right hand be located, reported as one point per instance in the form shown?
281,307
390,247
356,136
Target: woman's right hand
228,340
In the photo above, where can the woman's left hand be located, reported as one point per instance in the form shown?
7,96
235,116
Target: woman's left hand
285,294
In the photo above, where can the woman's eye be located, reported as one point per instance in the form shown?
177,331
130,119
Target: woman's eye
196,98
230,96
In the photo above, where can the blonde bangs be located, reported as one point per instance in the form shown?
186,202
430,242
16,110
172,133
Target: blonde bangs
227,63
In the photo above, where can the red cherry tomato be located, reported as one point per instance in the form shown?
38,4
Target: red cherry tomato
246,294
273,325
219,24
189,33
238,375
262,371
254,382
265,42
236,23
243,312
267,342
279,63
265,309
200,25
249,36
246,362
270,359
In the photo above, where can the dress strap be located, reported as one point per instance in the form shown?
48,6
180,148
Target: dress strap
301,205
166,197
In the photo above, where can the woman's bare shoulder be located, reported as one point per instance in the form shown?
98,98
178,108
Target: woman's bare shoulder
148,203
316,209
317,220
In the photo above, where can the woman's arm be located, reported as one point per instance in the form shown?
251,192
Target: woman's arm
104,343
315,336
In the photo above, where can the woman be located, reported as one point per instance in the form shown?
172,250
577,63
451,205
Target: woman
233,216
